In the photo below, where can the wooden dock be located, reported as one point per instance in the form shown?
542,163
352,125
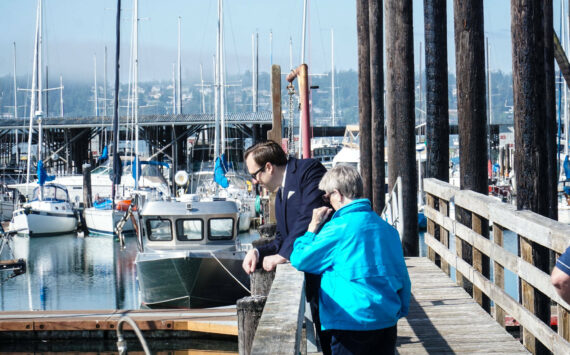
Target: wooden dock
444,319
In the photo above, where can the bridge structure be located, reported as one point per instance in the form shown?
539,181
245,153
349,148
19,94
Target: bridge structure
448,313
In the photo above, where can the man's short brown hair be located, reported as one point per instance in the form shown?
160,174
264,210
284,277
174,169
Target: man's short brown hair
267,152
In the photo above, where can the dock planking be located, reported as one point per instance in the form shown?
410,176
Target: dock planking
444,319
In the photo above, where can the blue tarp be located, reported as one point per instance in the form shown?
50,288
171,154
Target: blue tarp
105,204
43,177
104,155
220,169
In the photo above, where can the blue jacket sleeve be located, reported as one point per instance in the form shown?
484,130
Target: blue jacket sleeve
405,293
314,253
311,198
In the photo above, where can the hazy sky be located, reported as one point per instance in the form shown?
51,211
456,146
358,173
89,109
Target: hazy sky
77,30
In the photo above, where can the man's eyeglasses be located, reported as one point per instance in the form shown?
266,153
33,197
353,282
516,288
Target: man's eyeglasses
254,175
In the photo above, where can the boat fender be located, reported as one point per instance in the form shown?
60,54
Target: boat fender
123,205
258,204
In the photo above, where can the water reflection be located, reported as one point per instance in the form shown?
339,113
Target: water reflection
71,273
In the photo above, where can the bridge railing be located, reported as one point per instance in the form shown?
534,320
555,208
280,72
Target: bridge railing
444,230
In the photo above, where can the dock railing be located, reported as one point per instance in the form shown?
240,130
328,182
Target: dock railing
279,330
444,229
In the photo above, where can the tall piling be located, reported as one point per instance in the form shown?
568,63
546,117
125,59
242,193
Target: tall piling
378,183
531,153
400,106
551,126
472,121
364,104
437,106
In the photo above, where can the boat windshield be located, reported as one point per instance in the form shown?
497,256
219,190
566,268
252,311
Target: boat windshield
159,229
51,193
101,170
189,229
221,228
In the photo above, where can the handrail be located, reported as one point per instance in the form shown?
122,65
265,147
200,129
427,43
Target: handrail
527,225
280,327
393,208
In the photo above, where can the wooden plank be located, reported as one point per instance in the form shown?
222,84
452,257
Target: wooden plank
445,319
547,336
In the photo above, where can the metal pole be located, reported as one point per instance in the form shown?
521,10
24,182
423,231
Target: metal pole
179,80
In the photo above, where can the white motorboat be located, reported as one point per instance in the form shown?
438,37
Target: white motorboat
189,256
48,213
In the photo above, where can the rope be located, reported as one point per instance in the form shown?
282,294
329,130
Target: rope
229,273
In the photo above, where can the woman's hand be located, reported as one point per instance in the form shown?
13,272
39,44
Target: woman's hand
320,215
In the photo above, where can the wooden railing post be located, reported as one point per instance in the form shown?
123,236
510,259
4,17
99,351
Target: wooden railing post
499,271
430,201
444,233
480,260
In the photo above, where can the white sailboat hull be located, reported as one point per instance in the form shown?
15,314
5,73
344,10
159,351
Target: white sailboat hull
37,223
104,221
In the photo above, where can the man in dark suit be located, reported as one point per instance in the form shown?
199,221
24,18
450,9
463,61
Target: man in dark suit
296,184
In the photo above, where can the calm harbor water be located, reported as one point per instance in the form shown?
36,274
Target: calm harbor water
68,272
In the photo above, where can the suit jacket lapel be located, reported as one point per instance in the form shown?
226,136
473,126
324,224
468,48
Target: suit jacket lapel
290,185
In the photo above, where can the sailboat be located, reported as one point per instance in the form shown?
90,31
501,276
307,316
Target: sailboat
105,214
49,212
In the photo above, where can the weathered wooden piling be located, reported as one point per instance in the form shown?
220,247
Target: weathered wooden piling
87,195
378,177
400,115
249,309
531,154
472,120
437,106
364,102
550,103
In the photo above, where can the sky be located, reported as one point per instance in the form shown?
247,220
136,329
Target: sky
77,31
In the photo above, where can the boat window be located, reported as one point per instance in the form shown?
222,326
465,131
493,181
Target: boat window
159,229
221,228
189,229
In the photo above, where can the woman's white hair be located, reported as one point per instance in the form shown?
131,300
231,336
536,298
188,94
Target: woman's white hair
343,178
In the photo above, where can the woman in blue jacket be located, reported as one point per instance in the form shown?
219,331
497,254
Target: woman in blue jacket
365,287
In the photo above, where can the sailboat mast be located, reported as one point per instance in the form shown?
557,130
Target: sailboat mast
33,97
96,110
136,89
202,89
115,130
332,79
39,114
222,82
16,108
217,89
61,95
179,81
